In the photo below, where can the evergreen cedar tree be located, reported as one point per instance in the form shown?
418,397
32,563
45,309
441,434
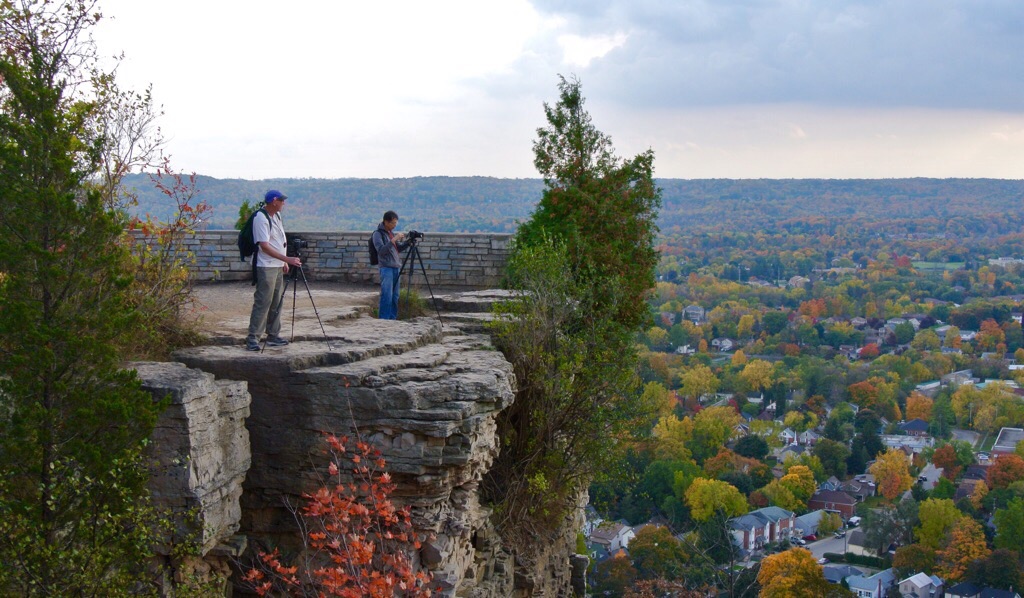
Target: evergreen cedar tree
72,422
602,209
586,259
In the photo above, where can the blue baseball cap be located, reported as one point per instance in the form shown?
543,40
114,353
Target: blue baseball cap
274,194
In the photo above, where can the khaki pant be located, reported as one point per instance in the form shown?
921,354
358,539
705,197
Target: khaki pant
266,303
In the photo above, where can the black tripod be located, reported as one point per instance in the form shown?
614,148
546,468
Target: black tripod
414,254
294,273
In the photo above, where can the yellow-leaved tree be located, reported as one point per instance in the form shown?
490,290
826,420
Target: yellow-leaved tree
697,381
892,473
757,374
793,574
966,544
800,481
704,497
937,516
672,436
919,406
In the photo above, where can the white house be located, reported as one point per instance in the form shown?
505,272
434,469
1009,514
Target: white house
722,344
612,536
920,585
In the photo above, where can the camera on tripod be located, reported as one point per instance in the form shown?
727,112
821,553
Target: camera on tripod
413,235
294,245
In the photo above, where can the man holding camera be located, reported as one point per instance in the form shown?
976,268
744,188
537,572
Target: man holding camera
271,266
388,246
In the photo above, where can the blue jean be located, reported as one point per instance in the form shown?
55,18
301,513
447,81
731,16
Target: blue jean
389,279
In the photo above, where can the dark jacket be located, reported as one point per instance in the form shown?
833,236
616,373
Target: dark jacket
387,249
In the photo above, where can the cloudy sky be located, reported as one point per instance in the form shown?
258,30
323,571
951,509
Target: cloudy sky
717,88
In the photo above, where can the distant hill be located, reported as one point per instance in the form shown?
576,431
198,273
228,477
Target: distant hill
478,204
436,204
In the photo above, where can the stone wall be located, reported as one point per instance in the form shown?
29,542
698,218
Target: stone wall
455,260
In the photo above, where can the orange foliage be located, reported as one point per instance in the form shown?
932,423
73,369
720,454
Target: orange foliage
869,351
814,308
891,471
990,335
793,573
966,544
919,407
945,459
359,540
726,461
1006,470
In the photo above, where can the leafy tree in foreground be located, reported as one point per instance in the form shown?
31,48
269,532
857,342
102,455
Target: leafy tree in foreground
72,420
943,489
779,495
829,523
913,559
884,526
892,473
833,456
794,573
584,263
945,458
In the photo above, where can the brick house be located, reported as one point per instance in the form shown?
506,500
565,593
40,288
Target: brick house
915,427
833,500
763,526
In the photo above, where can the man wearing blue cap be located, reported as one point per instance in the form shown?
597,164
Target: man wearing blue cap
271,265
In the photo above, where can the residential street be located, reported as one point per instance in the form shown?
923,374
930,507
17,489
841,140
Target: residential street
932,474
830,544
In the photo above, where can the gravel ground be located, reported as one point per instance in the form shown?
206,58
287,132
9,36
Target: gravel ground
224,307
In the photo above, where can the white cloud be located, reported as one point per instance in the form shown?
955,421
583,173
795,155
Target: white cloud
734,88
580,51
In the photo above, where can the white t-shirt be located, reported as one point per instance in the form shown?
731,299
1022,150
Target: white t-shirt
262,231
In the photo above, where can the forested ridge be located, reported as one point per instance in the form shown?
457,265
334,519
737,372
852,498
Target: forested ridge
919,206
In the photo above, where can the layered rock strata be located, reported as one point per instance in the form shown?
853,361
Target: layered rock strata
198,460
426,398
